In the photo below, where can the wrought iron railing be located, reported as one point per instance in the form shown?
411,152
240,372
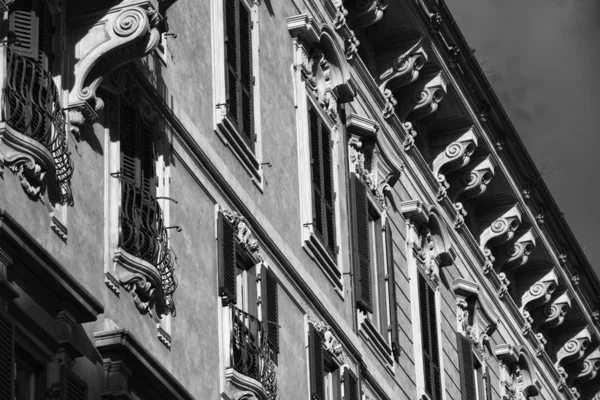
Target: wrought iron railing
250,352
144,235
33,109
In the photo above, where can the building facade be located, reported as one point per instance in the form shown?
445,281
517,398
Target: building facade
274,199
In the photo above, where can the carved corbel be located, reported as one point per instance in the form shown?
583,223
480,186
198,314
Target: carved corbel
124,33
362,134
500,231
573,350
364,13
316,73
423,97
416,211
538,294
455,155
466,293
516,253
587,369
243,234
554,312
400,56
472,183
330,343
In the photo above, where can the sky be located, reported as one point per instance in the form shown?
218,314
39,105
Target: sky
542,58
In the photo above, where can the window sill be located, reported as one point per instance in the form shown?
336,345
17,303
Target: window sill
321,256
371,335
232,139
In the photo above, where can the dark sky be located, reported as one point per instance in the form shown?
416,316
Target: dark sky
543,60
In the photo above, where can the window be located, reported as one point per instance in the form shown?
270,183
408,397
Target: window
429,337
471,377
325,373
237,118
322,180
373,269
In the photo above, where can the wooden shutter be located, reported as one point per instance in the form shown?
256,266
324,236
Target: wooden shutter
127,142
147,173
270,307
391,270
361,248
231,57
435,349
245,73
328,186
74,388
351,388
466,366
431,359
7,357
23,23
316,364
227,259
316,170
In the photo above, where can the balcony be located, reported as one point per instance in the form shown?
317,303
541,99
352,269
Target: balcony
250,367
144,255
34,142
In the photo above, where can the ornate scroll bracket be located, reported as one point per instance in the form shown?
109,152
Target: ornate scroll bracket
500,231
330,343
573,350
423,97
517,253
538,294
455,155
365,13
472,183
400,58
554,312
124,33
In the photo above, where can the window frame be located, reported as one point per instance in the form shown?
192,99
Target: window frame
225,128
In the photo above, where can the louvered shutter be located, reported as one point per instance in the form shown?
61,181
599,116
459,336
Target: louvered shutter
316,364
466,367
328,186
74,388
245,73
361,248
128,143
23,23
435,349
270,308
351,391
488,384
425,333
389,249
147,173
316,170
231,57
7,357
227,262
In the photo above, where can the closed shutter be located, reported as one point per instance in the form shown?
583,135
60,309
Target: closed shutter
231,55
147,173
328,186
227,259
351,388
316,170
246,78
316,364
23,24
7,357
361,248
127,141
431,359
74,388
466,366
391,270
270,308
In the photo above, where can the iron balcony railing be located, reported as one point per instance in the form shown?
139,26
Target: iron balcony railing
33,109
144,235
249,348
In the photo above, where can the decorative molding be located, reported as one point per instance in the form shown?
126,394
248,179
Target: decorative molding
400,56
573,350
112,283
587,369
244,235
423,97
518,378
330,342
124,33
472,183
500,231
455,155
363,13
516,253
317,78
416,211
163,336
554,312
389,108
538,294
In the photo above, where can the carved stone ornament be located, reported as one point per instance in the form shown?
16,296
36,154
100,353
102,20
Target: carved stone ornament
316,75
330,342
516,253
518,380
538,294
554,312
456,155
425,254
390,104
243,234
573,350
340,14
472,183
587,369
123,33
423,98
400,56
500,231
352,44
364,13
